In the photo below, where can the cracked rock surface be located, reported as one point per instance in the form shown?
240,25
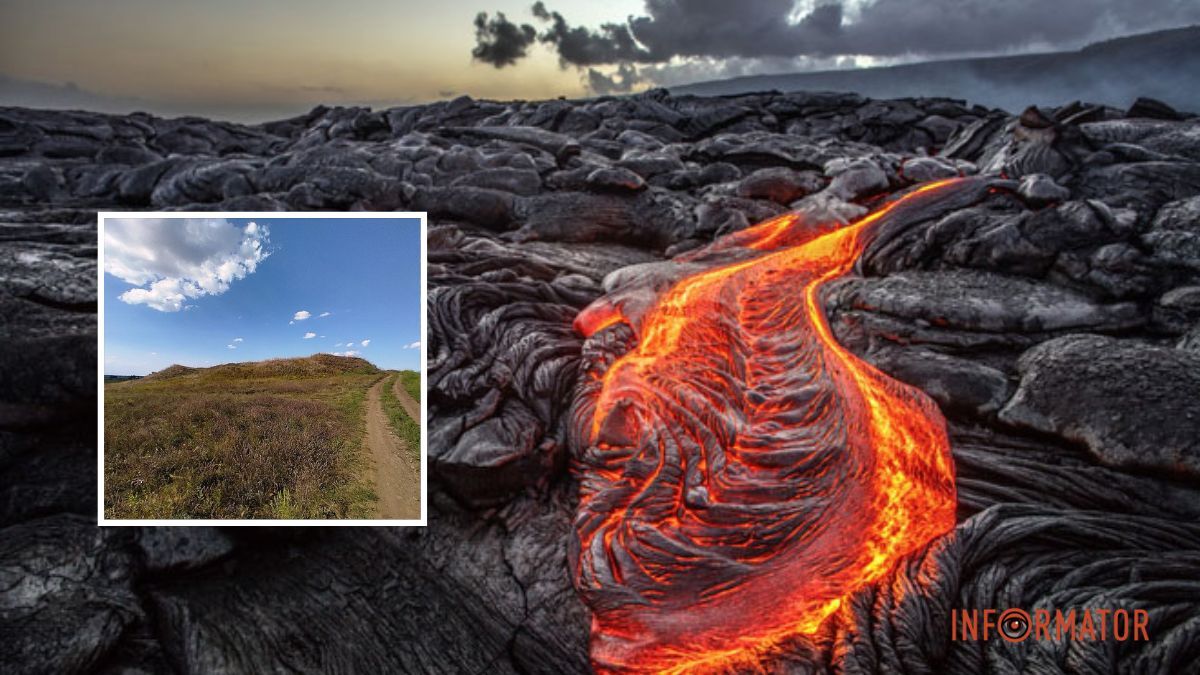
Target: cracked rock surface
1055,321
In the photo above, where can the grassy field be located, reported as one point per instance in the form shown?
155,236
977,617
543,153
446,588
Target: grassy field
273,439
408,429
410,380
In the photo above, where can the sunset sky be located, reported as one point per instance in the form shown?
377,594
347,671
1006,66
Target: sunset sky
257,59
266,58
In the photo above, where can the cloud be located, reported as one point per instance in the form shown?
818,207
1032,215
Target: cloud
231,346
678,32
338,345
173,260
366,342
346,353
322,315
309,336
500,42
621,82
322,336
611,43
413,345
238,340
301,315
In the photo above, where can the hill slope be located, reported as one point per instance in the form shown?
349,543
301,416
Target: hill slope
1162,65
268,439
317,365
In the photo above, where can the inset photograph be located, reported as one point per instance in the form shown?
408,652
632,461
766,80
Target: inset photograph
261,368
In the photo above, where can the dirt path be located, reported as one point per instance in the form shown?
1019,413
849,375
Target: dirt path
397,476
410,406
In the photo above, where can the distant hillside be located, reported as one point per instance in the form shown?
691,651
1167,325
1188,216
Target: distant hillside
121,378
174,370
1164,65
317,365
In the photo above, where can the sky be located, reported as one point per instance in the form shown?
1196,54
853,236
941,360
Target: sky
251,60
202,292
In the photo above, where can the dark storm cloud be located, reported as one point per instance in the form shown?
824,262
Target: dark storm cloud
752,28
885,28
620,82
611,43
499,41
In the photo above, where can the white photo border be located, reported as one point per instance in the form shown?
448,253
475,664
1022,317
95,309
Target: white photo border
261,215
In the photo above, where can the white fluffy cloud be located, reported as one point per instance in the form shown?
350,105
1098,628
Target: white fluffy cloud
322,315
346,353
366,342
231,346
413,345
301,315
238,340
173,260
309,336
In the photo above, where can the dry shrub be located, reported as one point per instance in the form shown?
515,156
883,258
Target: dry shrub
208,455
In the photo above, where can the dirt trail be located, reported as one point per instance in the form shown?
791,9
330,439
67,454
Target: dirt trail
410,406
397,476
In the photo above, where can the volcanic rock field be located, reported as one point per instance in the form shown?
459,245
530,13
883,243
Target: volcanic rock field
1047,306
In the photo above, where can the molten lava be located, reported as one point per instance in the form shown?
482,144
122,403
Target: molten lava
741,473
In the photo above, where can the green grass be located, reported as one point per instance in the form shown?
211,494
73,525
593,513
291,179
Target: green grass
277,439
408,429
411,381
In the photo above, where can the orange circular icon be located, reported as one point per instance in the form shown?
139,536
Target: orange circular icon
1014,624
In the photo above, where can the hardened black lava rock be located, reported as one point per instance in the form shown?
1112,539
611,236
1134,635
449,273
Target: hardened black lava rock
1055,320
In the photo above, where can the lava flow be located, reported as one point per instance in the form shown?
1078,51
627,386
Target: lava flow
741,473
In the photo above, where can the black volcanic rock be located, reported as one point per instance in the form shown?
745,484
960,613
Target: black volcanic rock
986,302
172,547
1132,405
615,178
506,179
1153,109
1040,190
961,385
1052,313
780,185
67,593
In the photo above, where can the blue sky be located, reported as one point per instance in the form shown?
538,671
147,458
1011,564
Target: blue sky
201,292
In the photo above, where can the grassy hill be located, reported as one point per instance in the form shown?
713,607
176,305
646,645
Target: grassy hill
317,365
267,439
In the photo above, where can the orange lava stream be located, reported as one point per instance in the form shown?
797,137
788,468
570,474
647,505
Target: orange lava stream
745,473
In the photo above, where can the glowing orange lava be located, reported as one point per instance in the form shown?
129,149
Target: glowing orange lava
741,473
